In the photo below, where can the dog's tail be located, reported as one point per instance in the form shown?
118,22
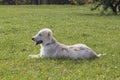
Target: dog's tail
99,55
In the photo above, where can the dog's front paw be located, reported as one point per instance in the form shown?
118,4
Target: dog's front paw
33,56
30,57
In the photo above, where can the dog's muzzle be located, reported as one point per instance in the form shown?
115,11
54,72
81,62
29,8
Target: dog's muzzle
37,42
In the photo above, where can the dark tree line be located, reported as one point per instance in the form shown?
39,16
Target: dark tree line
12,2
113,4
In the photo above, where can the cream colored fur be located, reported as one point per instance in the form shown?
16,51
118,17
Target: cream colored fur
50,48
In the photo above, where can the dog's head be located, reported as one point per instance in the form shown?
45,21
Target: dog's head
44,36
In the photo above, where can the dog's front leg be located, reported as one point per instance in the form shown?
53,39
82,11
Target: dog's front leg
34,56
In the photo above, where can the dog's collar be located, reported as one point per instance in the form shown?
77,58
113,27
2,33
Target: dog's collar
52,42
48,44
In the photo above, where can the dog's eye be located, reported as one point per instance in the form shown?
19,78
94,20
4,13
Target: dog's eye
40,35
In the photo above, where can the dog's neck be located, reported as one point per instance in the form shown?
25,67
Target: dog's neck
53,41
48,44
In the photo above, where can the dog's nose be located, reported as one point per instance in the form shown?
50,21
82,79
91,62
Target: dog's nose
32,38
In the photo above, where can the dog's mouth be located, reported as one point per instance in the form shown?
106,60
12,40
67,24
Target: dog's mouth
39,42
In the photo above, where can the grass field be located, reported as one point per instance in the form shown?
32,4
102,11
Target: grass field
70,25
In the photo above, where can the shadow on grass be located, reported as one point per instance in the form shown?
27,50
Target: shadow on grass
63,61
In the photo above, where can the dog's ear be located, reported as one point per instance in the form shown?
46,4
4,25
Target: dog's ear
47,33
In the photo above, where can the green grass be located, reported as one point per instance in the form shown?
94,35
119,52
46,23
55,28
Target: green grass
70,25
